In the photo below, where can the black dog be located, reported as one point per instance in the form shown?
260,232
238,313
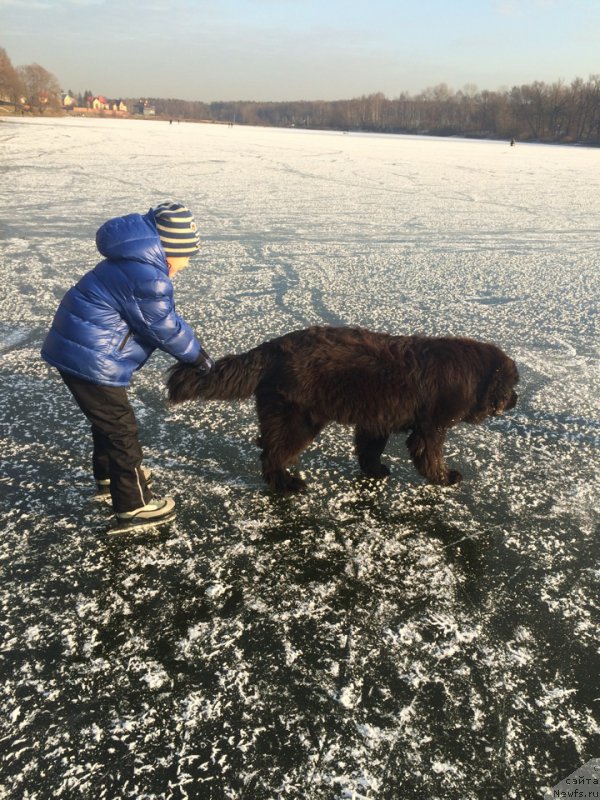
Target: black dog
379,383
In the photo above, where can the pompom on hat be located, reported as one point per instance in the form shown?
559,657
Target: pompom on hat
177,229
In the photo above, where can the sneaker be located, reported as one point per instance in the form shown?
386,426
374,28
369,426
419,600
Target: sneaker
159,509
103,486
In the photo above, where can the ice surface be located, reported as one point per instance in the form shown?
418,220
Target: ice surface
367,640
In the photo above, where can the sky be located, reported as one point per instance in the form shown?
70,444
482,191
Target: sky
212,50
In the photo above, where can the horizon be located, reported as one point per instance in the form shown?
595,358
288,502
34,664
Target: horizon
273,51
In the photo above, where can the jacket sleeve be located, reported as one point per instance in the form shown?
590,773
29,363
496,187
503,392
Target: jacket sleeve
152,317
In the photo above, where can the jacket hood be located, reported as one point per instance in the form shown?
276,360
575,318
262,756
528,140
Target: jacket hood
132,238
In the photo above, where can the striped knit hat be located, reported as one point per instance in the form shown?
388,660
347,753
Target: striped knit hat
177,229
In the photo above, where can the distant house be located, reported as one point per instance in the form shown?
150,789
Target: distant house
100,103
144,108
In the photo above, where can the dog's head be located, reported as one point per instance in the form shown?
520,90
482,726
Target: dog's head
497,390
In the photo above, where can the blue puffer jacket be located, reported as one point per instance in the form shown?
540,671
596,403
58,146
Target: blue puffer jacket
109,323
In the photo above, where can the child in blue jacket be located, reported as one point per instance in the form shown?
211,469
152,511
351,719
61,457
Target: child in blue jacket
107,326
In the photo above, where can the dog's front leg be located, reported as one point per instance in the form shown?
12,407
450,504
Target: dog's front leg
425,445
369,448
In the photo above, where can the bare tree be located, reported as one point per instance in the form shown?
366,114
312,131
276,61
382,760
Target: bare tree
11,85
42,88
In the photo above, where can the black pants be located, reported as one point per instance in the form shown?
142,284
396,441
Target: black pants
117,452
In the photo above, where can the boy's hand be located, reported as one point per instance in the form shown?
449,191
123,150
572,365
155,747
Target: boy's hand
204,362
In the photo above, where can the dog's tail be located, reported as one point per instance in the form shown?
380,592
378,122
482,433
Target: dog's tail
233,377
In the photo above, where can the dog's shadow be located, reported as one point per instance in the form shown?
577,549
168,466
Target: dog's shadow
361,507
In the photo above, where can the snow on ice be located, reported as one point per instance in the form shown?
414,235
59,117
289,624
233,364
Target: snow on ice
366,640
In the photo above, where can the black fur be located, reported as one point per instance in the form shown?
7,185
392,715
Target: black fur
379,383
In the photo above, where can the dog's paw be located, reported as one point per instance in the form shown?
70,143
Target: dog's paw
295,485
284,482
447,477
375,470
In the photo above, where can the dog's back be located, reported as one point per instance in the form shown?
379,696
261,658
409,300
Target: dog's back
301,358
344,374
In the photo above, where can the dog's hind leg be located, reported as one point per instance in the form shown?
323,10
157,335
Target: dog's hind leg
369,448
426,448
285,431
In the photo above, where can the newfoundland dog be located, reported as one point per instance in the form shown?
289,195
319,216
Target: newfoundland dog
379,383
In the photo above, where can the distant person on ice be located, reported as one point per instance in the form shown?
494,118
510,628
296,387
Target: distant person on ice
107,326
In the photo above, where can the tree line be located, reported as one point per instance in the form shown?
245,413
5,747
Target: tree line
557,112
543,112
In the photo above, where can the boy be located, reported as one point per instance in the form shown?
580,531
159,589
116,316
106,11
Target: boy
107,326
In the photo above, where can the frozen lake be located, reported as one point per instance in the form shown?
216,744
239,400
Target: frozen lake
380,641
